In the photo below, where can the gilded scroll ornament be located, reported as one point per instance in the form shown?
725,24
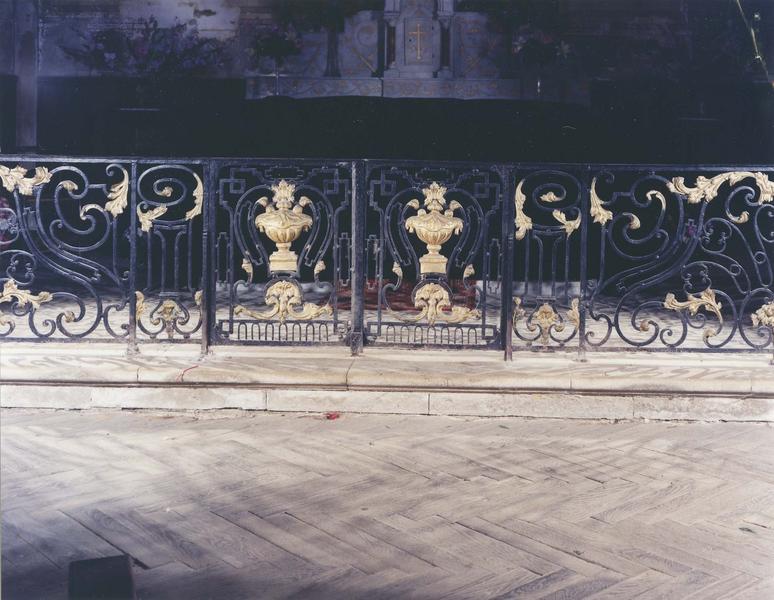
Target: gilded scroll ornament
286,302
468,272
569,225
198,195
523,222
707,188
198,298
434,304
434,225
283,221
693,303
16,179
764,316
319,267
396,268
12,292
598,211
550,197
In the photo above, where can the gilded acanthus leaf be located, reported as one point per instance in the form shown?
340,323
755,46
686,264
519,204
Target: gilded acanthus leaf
545,319
707,188
434,304
146,218
468,272
573,315
550,197
764,316
247,267
285,302
319,268
523,222
397,270
518,312
16,179
198,195
600,214
139,304
117,198
693,303
168,313
118,195
23,297
569,225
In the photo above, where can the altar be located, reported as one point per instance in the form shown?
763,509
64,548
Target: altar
413,48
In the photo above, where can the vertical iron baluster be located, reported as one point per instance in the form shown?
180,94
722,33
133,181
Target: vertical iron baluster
507,175
358,250
132,347
208,296
211,199
585,179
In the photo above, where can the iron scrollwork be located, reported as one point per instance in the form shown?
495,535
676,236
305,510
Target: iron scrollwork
710,242
62,270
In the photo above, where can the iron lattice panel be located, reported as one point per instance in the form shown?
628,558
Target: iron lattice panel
282,251
433,252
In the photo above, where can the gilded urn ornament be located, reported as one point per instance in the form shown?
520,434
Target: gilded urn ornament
434,225
283,221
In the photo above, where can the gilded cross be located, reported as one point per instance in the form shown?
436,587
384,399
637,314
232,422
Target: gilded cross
418,33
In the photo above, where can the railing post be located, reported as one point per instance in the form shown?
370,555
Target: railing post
132,347
506,264
207,287
359,255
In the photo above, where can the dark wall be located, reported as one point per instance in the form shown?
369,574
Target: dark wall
636,121
113,115
7,113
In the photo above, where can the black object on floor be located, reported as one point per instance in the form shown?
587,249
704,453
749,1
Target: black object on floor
101,579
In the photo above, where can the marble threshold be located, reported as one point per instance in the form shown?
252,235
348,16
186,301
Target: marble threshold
658,386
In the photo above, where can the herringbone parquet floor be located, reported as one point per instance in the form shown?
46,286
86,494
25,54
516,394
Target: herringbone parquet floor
364,506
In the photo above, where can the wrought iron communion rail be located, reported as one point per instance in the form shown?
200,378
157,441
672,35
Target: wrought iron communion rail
452,255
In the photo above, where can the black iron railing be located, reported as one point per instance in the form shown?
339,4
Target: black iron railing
453,255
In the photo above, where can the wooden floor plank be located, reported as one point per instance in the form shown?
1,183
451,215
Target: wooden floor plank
382,507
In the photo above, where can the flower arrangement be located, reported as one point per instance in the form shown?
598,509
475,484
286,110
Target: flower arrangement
150,50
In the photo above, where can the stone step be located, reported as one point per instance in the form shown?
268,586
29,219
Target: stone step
685,386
